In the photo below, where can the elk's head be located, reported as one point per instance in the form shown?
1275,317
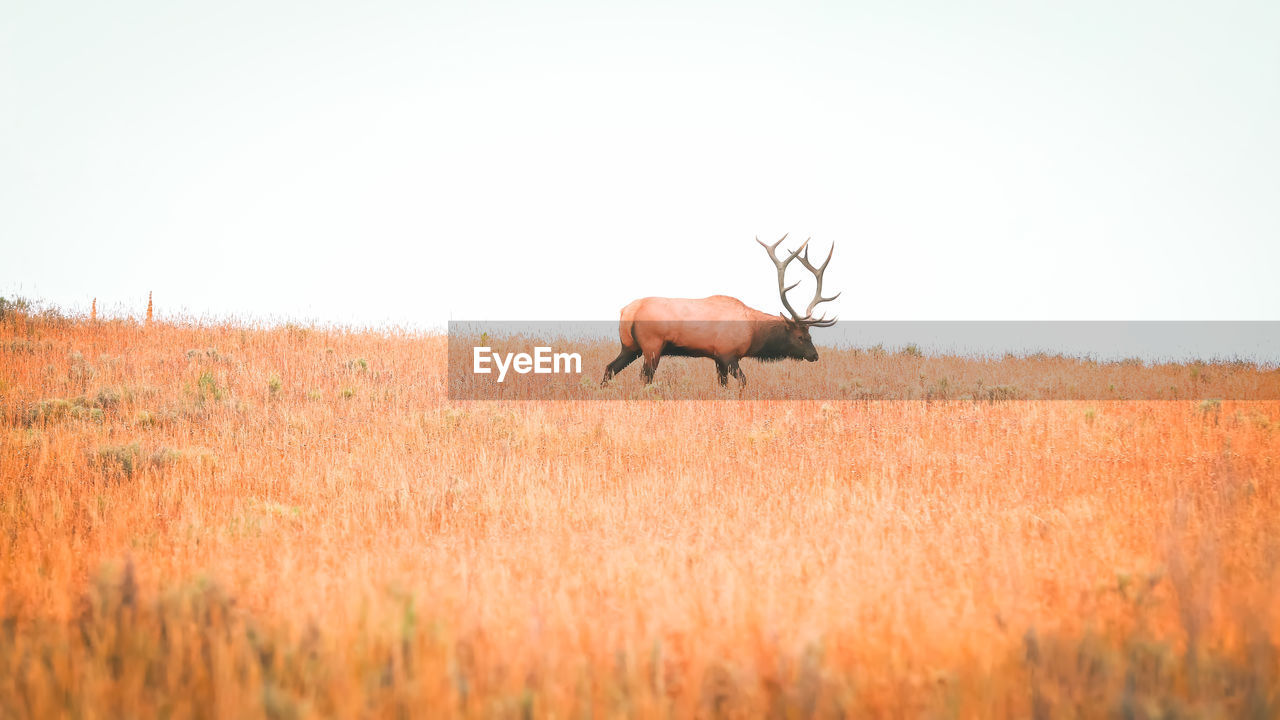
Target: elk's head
793,339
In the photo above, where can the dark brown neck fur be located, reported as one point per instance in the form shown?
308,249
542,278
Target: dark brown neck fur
772,340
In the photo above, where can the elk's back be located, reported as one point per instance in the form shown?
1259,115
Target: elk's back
716,326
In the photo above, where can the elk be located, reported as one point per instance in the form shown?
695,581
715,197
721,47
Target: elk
720,327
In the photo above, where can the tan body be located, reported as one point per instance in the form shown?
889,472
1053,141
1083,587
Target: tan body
716,326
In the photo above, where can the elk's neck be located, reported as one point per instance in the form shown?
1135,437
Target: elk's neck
771,341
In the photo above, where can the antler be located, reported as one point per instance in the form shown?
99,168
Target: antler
817,293
781,265
783,288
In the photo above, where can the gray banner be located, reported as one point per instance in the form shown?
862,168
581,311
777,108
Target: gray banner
975,361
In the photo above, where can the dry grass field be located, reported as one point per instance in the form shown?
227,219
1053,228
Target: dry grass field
230,522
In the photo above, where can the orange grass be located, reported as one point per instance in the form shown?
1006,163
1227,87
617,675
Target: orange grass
222,521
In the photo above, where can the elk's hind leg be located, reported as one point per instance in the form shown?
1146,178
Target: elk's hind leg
722,369
736,371
625,358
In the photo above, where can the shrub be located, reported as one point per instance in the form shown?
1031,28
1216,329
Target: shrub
1001,393
108,398
13,307
165,456
207,387
118,460
46,411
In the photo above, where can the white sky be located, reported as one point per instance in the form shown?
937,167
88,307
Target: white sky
409,163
